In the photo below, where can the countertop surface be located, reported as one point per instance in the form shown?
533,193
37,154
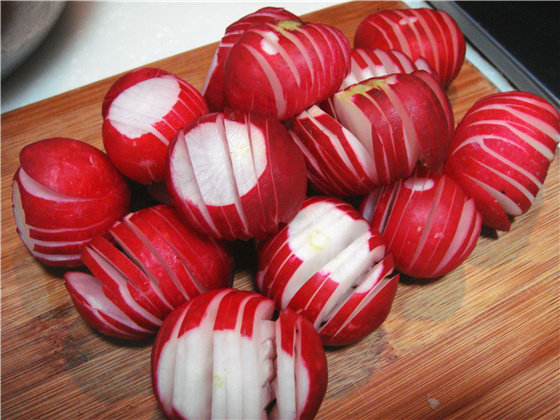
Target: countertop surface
95,40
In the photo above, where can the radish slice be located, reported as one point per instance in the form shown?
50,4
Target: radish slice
285,383
164,370
193,378
87,293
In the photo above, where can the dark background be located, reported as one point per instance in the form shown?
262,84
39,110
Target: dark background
529,30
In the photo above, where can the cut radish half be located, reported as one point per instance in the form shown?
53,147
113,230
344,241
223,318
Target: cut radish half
236,175
65,193
428,223
142,112
147,274
501,152
323,263
223,355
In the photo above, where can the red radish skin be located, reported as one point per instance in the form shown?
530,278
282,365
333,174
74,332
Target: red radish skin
142,112
213,88
224,355
419,33
65,193
329,265
153,264
281,68
377,132
429,224
236,175
501,152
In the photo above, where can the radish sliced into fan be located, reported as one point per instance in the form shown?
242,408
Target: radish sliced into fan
221,355
302,269
311,248
242,169
429,224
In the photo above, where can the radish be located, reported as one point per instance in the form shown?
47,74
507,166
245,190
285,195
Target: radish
224,354
366,63
378,130
148,264
213,88
236,175
141,112
501,152
64,193
329,265
281,68
419,33
429,224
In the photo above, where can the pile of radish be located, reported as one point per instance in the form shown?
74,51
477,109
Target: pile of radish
292,125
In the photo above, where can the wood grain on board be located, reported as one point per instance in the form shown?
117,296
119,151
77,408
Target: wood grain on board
481,342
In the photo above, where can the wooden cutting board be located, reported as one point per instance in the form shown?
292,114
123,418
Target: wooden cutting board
481,342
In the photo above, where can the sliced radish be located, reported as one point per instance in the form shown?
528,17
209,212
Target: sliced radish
429,224
321,262
149,270
223,355
65,193
419,33
213,88
236,175
501,152
278,68
142,112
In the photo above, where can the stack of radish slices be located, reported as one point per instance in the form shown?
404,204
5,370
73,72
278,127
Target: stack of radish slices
291,105
150,263
225,355
64,194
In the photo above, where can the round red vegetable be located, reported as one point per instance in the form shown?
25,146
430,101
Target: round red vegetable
142,112
329,265
379,130
501,152
281,68
419,33
225,355
236,175
147,265
64,193
429,224
213,88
